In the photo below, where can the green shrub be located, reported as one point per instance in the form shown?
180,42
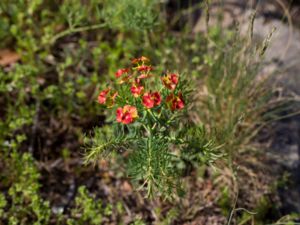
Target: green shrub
23,204
87,210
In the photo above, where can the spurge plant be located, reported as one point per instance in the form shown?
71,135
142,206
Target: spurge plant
149,120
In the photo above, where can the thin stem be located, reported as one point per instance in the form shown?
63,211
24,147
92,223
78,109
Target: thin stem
153,116
146,128
76,30
149,149
233,209
246,210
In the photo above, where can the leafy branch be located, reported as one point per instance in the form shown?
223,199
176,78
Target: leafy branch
103,143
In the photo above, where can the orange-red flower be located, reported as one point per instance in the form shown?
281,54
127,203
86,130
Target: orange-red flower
170,81
175,102
151,99
127,114
143,76
144,68
141,59
120,72
136,89
107,97
103,96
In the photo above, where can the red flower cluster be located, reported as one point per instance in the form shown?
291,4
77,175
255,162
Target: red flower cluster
151,99
127,114
102,96
144,68
135,77
136,89
107,97
175,102
170,81
120,72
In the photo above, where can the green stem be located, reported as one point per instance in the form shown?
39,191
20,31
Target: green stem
149,149
153,116
76,30
146,128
